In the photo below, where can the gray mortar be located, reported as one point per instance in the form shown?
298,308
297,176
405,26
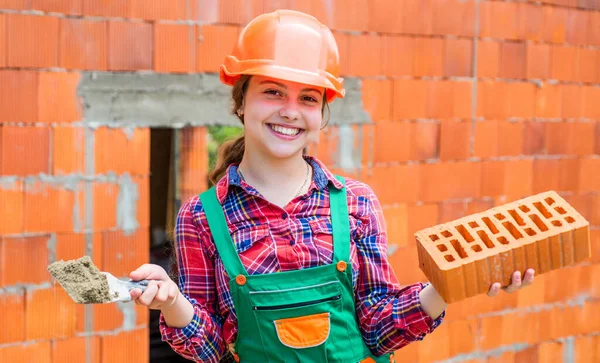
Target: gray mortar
569,350
175,101
129,315
127,204
51,244
8,182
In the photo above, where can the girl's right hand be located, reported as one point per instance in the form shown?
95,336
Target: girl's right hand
161,293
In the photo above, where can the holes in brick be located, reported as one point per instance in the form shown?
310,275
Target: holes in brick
490,225
530,231
449,258
513,230
473,224
442,248
538,222
502,240
542,209
486,240
513,213
499,216
524,208
560,210
549,200
458,248
569,219
476,248
463,232
434,237
446,234
556,223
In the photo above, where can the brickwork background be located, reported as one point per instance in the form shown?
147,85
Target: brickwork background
474,103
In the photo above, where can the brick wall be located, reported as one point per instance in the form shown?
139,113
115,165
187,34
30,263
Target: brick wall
474,104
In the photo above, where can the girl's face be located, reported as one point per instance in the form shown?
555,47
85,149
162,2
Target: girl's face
281,117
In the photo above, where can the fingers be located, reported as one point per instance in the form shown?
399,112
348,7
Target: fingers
149,294
149,272
515,282
494,290
529,275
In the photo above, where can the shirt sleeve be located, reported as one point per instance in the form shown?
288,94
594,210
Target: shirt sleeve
201,340
390,317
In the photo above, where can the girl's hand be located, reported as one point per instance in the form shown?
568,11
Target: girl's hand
515,284
161,294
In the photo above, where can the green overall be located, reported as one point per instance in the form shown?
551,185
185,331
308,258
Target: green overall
294,316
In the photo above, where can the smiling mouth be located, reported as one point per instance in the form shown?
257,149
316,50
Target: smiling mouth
288,131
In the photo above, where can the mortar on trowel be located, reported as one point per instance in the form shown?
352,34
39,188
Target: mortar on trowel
85,284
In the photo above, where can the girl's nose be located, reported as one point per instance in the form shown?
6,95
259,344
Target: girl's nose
290,110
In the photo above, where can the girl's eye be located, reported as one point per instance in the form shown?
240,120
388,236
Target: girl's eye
309,99
273,92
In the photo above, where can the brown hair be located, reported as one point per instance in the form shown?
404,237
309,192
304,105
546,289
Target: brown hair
232,151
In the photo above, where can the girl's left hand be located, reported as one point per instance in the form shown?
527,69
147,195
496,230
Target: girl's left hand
515,284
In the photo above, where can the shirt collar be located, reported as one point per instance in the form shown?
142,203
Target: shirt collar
321,178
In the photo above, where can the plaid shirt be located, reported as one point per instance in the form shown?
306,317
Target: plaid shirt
271,239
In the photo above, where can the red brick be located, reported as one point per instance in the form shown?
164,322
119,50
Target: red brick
40,218
545,175
105,206
174,48
597,137
425,140
492,179
77,349
504,20
437,347
58,101
493,100
123,252
591,106
419,217
38,352
130,346
343,43
449,211
71,7
572,101
418,16
32,41
534,137
586,348
462,336
18,96
588,205
110,144
83,44
391,133
454,140
67,150
3,49
384,17
27,258
410,99
408,353
520,97
107,317
518,179
143,188
113,8
510,136
513,60
428,57
585,139
548,101
11,207
462,97
460,180
586,69
531,21
564,60
559,137
13,310
366,55
577,21
568,175
404,263
594,28
440,102
488,59
215,42
15,4
588,177
396,55
405,176
129,46
377,99
479,205
159,10
459,57
396,220
20,143
454,17
538,61
447,252
555,24
486,139
348,15
50,313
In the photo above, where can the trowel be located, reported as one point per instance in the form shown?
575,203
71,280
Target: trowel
119,289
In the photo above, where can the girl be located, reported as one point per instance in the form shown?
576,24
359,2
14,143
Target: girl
282,261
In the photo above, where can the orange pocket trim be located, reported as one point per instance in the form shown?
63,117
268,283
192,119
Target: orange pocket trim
304,331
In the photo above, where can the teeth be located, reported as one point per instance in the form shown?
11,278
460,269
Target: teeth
285,130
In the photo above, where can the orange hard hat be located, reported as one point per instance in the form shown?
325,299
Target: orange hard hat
288,45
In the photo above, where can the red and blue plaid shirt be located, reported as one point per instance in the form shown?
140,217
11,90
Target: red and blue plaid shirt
271,239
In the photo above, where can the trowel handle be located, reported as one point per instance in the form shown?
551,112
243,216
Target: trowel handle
142,285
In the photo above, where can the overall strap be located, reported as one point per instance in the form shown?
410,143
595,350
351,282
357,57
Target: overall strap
220,232
339,222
